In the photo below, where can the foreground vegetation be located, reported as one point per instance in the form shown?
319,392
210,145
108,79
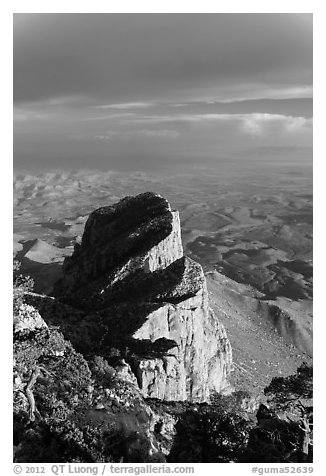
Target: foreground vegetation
74,408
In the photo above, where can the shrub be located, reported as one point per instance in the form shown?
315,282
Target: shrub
102,371
22,284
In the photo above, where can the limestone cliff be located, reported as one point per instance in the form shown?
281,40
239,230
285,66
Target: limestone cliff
139,294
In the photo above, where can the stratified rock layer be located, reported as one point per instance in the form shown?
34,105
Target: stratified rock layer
140,295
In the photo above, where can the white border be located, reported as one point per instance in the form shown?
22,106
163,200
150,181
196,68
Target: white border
203,6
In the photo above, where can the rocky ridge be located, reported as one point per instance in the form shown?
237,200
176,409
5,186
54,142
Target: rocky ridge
119,365
139,294
67,409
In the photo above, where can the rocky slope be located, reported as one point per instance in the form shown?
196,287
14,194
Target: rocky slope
129,291
124,362
65,407
68,409
267,341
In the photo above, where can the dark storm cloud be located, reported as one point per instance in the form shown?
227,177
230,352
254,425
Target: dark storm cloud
135,57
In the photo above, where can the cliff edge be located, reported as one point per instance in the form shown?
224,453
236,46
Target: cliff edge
139,294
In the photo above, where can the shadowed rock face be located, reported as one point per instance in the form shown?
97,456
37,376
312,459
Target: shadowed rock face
138,293
137,236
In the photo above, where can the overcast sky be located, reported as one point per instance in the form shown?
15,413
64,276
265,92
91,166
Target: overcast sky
90,89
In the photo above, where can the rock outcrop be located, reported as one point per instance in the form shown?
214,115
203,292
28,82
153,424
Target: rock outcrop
139,294
27,322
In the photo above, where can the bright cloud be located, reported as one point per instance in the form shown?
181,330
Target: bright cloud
158,133
109,135
22,115
143,133
264,124
253,123
126,105
119,115
255,92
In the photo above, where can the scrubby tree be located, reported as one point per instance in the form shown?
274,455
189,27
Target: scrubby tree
284,429
21,285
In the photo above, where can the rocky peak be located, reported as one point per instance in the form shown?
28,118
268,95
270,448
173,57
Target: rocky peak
124,217
135,236
141,295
